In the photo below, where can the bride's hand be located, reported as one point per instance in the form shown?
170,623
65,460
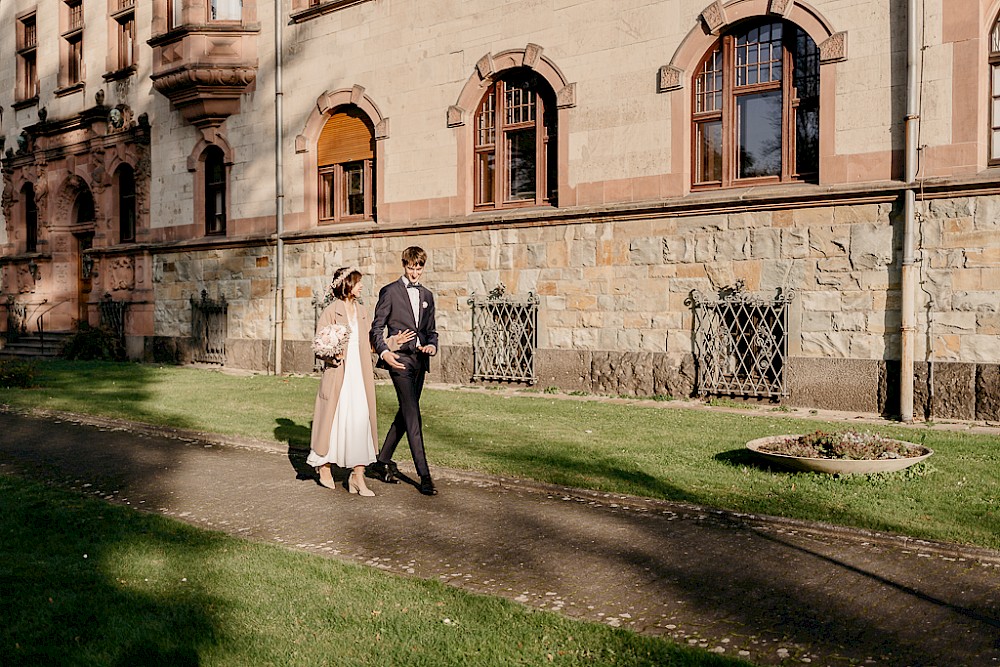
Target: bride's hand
397,341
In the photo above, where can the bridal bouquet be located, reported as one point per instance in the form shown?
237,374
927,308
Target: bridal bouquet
331,341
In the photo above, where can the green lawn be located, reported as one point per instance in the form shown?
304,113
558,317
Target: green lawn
656,451
84,582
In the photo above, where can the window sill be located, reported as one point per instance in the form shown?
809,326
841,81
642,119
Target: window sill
120,74
325,8
68,90
25,103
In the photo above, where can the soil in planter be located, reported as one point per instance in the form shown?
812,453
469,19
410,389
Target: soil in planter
853,445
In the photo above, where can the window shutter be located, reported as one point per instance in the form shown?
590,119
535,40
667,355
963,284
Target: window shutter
345,137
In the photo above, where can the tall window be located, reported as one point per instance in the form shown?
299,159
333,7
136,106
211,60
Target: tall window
995,95
226,10
346,164
30,218
174,15
515,143
215,190
756,107
126,204
73,43
124,33
27,57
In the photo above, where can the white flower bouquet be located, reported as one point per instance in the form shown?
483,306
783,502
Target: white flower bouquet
331,341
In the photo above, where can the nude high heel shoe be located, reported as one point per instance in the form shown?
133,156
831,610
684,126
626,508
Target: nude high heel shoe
356,484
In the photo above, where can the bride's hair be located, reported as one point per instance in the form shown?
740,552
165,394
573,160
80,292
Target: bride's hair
344,280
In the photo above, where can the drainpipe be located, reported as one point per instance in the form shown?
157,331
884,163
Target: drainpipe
279,195
909,276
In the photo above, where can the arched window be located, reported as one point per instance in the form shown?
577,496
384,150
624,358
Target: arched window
346,165
83,208
30,218
125,185
756,107
995,94
215,190
515,145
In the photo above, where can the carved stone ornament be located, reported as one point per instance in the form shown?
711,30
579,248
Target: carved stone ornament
456,116
782,7
382,129
485,66
531,54
714,17
301,144
25,281
122,273
669,78
566,97
834,48
356,94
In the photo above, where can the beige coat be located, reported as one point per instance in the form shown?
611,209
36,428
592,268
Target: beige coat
333,378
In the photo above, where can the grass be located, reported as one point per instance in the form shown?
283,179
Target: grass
85,582
670,453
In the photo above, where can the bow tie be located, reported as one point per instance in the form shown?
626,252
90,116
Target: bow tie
413,286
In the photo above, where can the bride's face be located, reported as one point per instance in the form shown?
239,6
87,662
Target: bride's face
356,290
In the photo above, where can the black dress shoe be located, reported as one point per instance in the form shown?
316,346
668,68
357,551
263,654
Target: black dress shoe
427,486
384,472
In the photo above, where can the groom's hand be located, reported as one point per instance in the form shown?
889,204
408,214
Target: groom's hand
390,358
429,350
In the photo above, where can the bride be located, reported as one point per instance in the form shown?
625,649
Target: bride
343,428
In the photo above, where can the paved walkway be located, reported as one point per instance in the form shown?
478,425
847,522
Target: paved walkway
775,592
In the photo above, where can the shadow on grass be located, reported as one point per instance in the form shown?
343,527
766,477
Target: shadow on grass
85,582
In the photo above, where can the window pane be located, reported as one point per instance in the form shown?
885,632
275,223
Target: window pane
759,140
519,102
807,140
758,55
521,157
709,146
708,85
995,150
227,10
485,119
326,195
354,188
485,177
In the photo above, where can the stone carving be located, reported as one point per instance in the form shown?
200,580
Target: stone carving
99,97
121,273
41,193
7,198
669,78
566,97
834,48
301,144
531,54
382,129
485,66
456,116
143,169
25,281
783,7
356,93
98,174
714,17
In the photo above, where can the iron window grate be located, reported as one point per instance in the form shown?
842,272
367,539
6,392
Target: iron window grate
504,336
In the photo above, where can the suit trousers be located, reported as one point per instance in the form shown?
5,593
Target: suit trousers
409,383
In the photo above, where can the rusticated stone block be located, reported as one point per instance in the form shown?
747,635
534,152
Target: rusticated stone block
567,369
673,379
988,392
622,373
953,393
833,384
453,364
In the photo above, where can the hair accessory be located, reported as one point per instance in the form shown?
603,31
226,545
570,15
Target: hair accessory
340,278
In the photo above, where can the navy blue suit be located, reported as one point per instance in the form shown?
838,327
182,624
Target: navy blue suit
395,313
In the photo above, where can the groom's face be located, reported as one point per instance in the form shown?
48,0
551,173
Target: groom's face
413,272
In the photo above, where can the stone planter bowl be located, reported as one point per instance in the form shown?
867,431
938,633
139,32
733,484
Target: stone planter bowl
837,466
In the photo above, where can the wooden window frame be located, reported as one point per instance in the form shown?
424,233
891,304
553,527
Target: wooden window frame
993,139
726,113
72,71
27,58
494,104
215,221
123,59
127,204
332,196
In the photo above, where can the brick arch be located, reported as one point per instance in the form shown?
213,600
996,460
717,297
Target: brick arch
675,78
305,144
488,69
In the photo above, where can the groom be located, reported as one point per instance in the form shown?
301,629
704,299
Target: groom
403,305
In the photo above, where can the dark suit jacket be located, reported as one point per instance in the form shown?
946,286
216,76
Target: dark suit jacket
393,312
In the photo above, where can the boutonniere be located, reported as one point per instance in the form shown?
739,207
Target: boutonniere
425,304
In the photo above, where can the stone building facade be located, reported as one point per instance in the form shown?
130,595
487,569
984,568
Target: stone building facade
619,168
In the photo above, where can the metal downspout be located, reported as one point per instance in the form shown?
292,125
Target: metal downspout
909,275
279,194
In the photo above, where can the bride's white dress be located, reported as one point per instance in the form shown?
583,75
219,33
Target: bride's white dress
351,435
